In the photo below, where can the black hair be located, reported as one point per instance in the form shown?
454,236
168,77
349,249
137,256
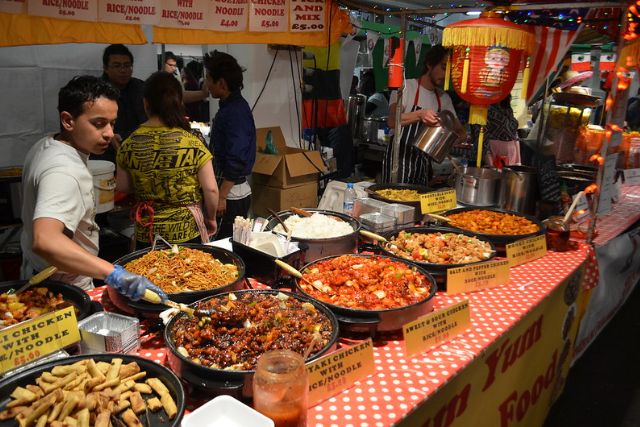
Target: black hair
368,83
115,49
82,89
196,68
434,56
170,55
222,65
164,97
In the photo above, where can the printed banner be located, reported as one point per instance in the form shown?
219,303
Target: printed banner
229,15
515,381
269,16
82,10
13,6
129,11
307,15
190,14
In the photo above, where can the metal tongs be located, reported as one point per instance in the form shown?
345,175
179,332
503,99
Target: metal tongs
174,248
154,298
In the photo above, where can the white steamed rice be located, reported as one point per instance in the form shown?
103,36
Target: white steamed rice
316,226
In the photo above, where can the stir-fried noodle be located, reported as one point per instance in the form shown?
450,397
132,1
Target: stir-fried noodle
187,270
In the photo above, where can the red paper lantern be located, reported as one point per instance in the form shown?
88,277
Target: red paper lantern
483,67
492,71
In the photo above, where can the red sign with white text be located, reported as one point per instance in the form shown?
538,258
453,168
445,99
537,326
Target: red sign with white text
269,16
129,11
306,15
190,14
229,15
82,10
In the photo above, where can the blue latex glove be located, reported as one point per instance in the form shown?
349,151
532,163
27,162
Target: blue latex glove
131,285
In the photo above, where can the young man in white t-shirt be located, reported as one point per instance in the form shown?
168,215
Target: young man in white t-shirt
58,211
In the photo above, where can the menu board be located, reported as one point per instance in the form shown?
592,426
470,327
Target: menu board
229,16
632,176
608,191
30,340
84,10
306,15
128,11
13,6
190,14
269,16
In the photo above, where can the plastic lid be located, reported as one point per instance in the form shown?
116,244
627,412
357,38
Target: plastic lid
98,167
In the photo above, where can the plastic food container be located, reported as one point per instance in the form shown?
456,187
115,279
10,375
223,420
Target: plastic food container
261,265
109,333
364,205
225,411
403,214
378,222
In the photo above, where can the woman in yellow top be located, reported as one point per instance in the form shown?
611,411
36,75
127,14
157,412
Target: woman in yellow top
169,170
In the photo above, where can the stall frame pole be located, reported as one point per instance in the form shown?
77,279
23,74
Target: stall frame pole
397,134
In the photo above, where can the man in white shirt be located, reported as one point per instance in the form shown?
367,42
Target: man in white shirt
422,99
58,212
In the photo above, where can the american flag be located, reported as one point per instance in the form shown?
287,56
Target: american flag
551,46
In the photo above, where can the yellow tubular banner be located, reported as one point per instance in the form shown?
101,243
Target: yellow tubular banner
22,30
339,19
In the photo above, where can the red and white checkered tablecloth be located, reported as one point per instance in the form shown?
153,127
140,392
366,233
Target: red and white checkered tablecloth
401,383
623,215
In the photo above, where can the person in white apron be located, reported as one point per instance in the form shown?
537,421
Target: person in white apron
422,100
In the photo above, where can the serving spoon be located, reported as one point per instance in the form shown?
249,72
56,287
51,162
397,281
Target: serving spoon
38,278
279,219
297,274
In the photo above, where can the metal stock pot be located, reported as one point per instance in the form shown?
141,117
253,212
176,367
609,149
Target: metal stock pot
319,248
436,141
478,186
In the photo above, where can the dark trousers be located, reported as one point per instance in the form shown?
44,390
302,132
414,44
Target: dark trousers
234,208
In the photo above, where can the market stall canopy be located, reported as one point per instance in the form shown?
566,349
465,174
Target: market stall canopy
293,22
24,30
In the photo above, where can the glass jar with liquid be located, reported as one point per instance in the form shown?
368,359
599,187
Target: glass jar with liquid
280,388
557,234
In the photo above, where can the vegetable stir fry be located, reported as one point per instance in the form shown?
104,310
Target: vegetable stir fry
403,195
439,248
365,283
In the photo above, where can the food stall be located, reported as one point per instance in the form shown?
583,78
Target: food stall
477,317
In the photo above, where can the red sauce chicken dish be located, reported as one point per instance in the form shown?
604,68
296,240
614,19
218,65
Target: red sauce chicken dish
365,283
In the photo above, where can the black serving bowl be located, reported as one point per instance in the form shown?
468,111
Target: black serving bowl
237,383
421,189
500,241
150,310
70,293
374,322
153,370
438,271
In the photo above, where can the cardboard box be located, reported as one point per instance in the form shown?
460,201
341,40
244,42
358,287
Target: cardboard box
291,167
302,196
